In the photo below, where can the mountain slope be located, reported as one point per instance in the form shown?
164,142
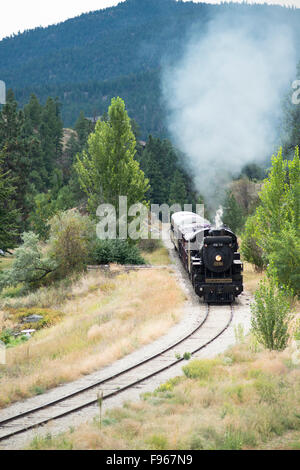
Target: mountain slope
86,60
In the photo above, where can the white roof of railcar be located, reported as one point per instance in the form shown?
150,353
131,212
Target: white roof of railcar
188,219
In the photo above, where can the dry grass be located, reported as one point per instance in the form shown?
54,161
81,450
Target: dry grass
246,399
159,257
104,320
251,277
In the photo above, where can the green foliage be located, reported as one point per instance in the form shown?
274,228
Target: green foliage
253,172
272,234
71,238
149,245
249,247
187,356
31,265
169,385
49,316
8,213
169,183
10,341
271,314
79,60
285,258
109,169
46,205
297,331
158,442
200,369
178,192
233,213
273,211
115,251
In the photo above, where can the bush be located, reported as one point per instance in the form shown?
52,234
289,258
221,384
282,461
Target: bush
30,266
71,237
149,245
10,341
116,251
199,369
271,315
50,317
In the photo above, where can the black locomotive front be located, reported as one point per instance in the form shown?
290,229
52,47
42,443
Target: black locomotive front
217,267
210,256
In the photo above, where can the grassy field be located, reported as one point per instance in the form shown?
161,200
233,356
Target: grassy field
159,257
5,262
247,398
102,320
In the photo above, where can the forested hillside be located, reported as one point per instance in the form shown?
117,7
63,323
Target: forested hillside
87,60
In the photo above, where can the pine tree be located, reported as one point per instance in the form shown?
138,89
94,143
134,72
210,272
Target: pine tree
178,193
233,213
51,134
33,112
84,128
8,212
15,151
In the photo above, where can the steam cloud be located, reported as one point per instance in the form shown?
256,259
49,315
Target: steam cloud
224,97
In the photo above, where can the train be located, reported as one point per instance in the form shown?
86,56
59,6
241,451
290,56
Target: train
210,255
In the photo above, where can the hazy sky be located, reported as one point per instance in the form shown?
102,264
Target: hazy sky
18,15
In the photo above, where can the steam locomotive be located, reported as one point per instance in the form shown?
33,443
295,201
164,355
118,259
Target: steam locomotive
210,256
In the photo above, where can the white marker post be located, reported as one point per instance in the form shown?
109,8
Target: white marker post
2,354
2,92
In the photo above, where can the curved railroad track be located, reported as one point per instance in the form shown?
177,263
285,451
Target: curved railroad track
194,342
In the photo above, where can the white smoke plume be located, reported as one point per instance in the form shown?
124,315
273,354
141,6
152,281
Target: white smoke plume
219,218
224,97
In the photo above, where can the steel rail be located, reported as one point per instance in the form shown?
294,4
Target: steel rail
114,393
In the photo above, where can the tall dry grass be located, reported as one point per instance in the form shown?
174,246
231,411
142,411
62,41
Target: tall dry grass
105,319
244,399
252,277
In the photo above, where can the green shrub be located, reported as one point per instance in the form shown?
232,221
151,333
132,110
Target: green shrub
271,315
170,384
116,251
71,238
14,291
7,337
50,317
200,369
149,245
31,265
266,389
158,442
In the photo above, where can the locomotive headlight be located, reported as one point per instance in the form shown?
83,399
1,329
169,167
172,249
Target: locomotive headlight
218,258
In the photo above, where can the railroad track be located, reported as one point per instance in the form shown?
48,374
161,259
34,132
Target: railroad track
215,323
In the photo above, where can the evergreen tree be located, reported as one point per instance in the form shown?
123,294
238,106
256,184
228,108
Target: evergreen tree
51,134
233,213
15,151
8,213
84,128
33,112
178,193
